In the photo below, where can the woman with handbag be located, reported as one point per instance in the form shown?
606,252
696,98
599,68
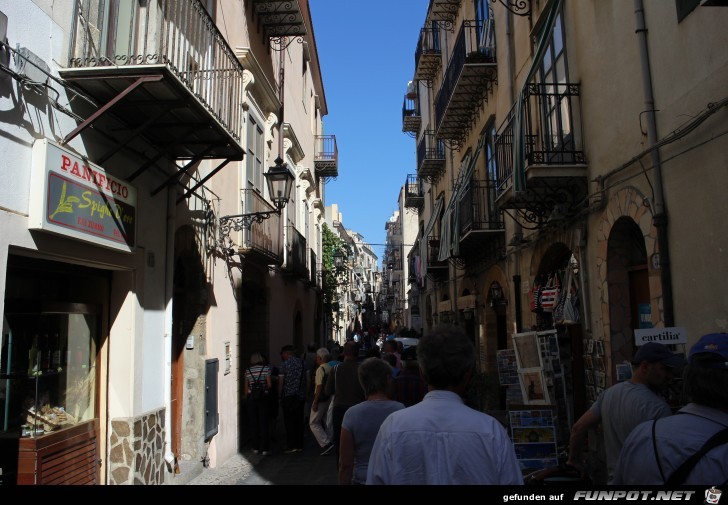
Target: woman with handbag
256,387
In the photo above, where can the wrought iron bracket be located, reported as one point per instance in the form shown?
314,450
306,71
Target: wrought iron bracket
240,222
281,43
517,7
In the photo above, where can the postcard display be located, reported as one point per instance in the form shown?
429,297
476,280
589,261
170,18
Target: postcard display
508,376
541,376
534,438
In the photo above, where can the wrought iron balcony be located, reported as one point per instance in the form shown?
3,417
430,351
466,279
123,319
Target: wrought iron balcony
263,242
430,157
468,80
164,71
411,118
297,262
481,221
326,156
413,194
428,58
550,170
434,265
444,10
279,18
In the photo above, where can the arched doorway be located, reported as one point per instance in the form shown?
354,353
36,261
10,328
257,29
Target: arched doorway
559,261
629,287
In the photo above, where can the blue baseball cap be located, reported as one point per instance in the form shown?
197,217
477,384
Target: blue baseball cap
655,352
712,345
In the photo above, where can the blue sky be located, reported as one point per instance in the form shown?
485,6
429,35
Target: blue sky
367,53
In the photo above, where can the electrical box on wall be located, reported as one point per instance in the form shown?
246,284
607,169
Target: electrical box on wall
211,415
190,342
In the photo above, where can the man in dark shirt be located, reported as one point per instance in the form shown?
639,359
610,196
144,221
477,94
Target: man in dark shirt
292,392
409,387
344,385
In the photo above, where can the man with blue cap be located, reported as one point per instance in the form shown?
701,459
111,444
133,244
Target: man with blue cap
690,447
626,404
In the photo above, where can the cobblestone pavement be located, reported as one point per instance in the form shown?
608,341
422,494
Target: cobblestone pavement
249,469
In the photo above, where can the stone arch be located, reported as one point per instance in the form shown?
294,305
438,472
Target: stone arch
626,239
628,284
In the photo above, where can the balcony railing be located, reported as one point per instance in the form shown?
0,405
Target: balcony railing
414,196
552,139
430,157
326,156
427,54
541,164
411,118
296,263
480,218
263,241
434,265
469,78
177,35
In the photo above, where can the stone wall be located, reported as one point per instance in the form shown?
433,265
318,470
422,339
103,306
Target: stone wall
136,454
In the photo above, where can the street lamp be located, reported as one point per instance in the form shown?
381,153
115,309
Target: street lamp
339,259
280,180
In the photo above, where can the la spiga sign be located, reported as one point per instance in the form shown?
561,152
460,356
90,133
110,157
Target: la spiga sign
671,335
73,197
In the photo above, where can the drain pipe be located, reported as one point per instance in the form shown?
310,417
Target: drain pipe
517,229
659,218
169,456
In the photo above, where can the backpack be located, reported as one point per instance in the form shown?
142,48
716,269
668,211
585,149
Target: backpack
258,388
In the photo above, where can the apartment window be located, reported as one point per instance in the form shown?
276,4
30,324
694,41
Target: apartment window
306,233
685,7
304,82
254,164
111,24
491,167
554,77
483,15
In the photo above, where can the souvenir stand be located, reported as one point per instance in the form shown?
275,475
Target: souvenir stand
538,425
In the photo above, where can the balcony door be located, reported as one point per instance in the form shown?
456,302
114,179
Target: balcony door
111,25
484,24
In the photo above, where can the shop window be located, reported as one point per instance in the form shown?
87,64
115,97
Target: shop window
48,369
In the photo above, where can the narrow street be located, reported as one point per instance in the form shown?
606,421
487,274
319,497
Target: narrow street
301,468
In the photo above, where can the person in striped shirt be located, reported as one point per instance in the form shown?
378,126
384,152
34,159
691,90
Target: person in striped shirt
257,384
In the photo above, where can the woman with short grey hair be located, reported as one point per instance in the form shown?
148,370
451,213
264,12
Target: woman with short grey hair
361,422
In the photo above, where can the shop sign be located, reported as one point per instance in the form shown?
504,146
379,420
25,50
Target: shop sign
671,335
72,197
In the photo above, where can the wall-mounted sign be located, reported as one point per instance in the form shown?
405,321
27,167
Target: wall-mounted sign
71,196
671,335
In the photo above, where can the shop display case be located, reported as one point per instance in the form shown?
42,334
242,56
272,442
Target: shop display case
48,375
